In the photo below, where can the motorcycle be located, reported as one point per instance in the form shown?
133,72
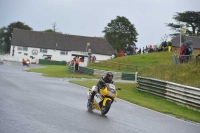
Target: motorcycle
26,63
102,99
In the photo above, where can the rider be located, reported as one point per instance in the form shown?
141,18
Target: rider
105,79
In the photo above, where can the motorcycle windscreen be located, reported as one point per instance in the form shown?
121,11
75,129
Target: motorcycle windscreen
112,90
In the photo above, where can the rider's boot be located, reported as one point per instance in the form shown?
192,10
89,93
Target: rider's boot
92,97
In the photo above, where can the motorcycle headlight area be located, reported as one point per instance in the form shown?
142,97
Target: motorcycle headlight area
111,92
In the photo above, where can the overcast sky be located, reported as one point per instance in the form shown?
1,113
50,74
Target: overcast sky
89,17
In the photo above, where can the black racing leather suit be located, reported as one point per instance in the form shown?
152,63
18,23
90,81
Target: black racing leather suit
100,85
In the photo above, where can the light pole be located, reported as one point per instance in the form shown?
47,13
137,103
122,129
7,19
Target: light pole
182,29
88,44
180,33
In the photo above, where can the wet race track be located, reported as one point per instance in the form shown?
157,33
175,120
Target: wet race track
31,103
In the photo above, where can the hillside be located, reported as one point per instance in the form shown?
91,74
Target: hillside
157,65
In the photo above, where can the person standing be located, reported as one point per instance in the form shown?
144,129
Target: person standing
76,64
181,53
186,52
169,46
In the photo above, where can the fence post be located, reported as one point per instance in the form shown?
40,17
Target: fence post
136,74
174,59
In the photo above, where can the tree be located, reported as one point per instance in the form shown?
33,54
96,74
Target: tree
49,30
6,33
120,32
53,30
189,18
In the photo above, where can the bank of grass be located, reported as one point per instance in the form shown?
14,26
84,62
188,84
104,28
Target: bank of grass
160,66
59,72
130,93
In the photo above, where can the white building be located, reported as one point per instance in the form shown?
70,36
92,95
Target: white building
36,45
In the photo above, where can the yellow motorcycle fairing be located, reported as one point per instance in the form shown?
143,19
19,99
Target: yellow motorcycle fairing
105,100
104,91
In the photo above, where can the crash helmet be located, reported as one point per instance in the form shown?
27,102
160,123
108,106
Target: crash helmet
109,75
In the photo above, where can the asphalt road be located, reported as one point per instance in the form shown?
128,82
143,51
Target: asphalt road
31,103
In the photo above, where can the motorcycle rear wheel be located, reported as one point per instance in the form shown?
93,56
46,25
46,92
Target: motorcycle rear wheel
105,109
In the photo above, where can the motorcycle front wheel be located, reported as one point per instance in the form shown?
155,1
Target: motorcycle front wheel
89,106
105,109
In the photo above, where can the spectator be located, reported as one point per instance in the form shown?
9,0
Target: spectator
186,52
143,50
190,43
93,58
71,63
139,51
77,63
169,46
121,53
146,50
90,58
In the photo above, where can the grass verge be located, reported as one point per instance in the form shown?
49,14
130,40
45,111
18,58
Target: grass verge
130,93
59,72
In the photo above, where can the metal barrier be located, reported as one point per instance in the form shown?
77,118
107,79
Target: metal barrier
100,73
71,69
52,62
119,66
186,95
86,70
128,76
184,59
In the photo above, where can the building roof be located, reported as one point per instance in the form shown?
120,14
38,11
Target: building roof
65,42
194,39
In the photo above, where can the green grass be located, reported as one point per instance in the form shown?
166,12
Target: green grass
58,71
160,66
130,93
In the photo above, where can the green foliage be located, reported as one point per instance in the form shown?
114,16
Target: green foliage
49,30
120,32
6,33
130,93
189,18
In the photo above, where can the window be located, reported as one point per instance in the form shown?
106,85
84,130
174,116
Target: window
22,48
19,48
25,48
64,52
43,50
